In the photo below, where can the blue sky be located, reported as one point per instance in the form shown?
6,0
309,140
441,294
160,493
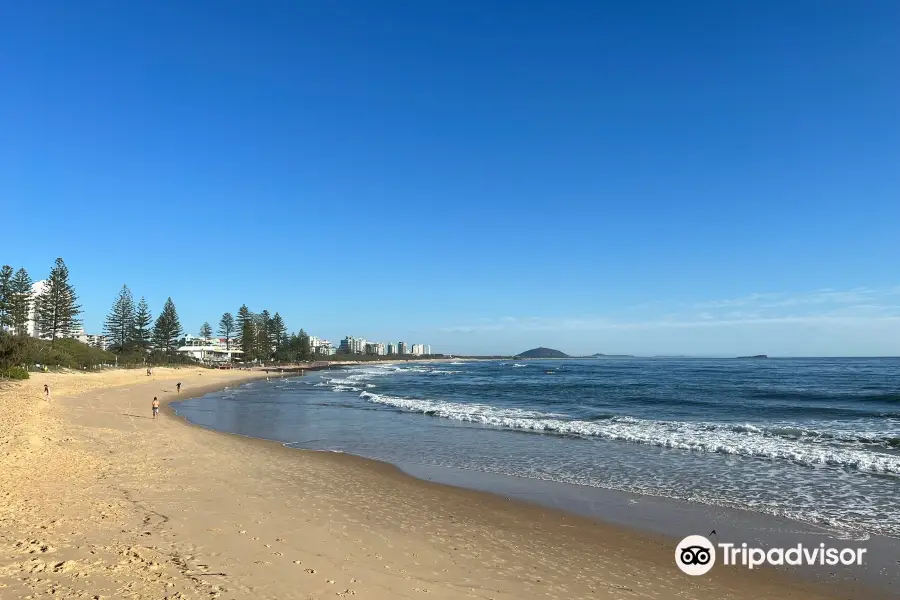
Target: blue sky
639,177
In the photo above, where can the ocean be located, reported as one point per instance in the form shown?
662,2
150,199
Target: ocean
814,441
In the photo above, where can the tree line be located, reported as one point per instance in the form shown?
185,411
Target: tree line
52,310
264,337
55,306
260,336
129,327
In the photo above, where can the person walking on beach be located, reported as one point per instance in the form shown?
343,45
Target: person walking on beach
155,407
178,387
46,392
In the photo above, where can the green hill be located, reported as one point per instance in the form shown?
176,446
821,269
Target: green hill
542,353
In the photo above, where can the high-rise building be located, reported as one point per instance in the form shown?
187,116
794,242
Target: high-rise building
352,345
37,289
97,341
392,349
427,350
402,349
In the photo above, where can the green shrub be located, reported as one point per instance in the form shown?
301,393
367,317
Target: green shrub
13,350
14,373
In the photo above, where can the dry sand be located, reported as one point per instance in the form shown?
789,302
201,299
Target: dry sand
97,500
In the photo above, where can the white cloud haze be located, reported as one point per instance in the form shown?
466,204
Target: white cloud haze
861,321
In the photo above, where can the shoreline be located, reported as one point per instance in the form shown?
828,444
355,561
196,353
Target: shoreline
429,475
188,520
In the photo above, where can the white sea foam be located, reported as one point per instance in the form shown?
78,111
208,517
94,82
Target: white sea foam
741,440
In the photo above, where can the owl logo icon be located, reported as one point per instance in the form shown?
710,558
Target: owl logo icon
695,555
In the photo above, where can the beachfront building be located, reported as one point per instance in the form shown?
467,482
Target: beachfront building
31,326
96,340
37,288
319,346
427,350
418,350
375,349
391,349
402,349
212,350
352,345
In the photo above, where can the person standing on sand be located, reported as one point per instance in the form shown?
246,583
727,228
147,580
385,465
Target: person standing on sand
46,392
178,387
155,407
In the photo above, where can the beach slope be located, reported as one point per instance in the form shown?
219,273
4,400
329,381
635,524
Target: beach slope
101,501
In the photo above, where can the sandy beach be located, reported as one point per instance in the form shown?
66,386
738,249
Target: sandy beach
101,501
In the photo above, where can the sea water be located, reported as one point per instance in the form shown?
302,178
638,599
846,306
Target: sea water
816,441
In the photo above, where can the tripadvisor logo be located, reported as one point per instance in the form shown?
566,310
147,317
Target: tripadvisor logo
696,555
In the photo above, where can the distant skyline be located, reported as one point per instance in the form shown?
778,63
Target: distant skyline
640,178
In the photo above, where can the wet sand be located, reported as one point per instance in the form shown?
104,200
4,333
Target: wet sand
99,500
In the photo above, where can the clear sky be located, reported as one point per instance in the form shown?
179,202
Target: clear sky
638,177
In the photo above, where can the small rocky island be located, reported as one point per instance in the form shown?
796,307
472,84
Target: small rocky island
755,356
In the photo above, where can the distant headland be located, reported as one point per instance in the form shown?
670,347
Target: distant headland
755,356
542,352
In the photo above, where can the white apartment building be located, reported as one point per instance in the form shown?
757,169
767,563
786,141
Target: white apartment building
212,350
417,350
37,288
392,349
353,345
96,340
318,345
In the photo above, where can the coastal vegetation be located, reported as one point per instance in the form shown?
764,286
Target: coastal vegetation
53,309
19,350
38,322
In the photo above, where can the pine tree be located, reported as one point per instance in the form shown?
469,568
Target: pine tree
278,333
263,335
226,328
6,275
304,345
167,328
142,322
206,331
120,322
20,301
56,306
246,329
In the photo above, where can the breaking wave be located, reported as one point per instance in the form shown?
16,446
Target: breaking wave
805,447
